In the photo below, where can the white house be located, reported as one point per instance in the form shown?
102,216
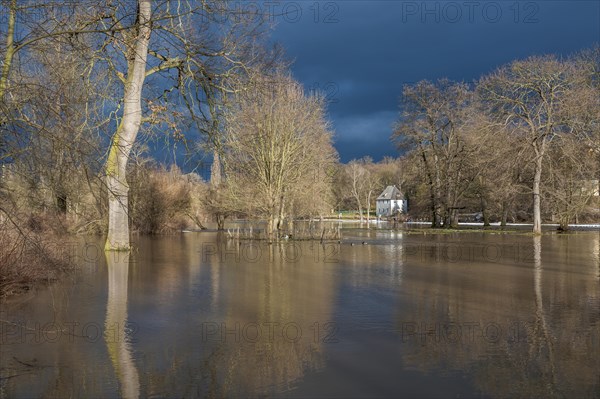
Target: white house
390,202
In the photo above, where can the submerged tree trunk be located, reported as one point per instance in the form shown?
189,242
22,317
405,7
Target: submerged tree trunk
450,218
453,218
220,221
484,212
369,208
434,216
123,139
270,227
504,218
446,219
505,210
435,222
537,178
563,224
281,215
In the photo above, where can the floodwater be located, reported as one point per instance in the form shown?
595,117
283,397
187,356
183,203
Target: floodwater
403,315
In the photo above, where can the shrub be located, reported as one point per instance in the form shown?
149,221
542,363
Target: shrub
30,253
160,199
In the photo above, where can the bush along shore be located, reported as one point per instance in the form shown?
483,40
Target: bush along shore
31,253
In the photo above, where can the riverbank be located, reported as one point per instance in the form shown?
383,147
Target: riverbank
30,258
468,226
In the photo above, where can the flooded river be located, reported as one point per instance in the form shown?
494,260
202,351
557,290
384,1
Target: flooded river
381,314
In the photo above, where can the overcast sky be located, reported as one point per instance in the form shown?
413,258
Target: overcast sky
361,53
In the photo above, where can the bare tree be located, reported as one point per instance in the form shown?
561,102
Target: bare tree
135,43
358,176
531,94
179,54
498,168
432,118
487,152
54,118
277,137
391,172
567,188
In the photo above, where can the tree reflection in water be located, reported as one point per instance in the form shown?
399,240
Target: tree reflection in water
116,332
529,312
544,311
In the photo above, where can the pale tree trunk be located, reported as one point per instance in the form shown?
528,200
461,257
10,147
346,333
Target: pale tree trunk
10,47
271,217
484,203
369,208
281,217
537,178
116,165
215,170
437,193
432,192
537,217
270,227
215,182
358,203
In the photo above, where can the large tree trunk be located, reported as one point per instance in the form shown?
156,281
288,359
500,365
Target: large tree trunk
437,187
563,224
506,205
451,218
484,211
434,217
433,193
10,47
537,178
116,164
270,227
446,219
281,214
220,221
215,170
369,209
537,218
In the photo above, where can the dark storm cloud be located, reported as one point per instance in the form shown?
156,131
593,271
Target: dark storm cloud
361,53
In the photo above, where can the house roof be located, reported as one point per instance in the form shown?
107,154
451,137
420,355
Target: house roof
391,193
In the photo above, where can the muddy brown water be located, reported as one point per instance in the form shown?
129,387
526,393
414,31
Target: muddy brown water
402,315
